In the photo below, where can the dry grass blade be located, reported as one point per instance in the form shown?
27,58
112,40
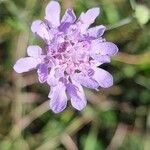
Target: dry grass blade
118,137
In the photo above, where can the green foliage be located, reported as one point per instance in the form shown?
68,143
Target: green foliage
116,118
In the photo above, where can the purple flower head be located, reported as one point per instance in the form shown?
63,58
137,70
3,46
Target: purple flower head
71,56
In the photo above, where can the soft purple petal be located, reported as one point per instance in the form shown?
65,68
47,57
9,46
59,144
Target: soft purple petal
34,51
69,16
53,13
25,64
103,48
52,80
86,81
108,48
101,58
96,31
95,63
88,18
77,95
42,72
103,77
59,73
39,27
68,19
58,98
36,25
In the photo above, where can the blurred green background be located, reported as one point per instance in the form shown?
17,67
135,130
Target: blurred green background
117,118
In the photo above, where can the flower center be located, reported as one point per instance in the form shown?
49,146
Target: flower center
71,53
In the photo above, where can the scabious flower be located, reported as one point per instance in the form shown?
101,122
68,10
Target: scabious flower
71,56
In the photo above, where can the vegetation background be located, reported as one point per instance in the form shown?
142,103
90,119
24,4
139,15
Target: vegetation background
117,118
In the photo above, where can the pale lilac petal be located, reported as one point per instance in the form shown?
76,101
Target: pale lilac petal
77,95
103,48
68,19
25,64
86,81
88,18
36,25
39,27
95,63
59,73
69,16
53,13
96,31
34,51
108,48
103,77
58,98
42,72
52,80
101,58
